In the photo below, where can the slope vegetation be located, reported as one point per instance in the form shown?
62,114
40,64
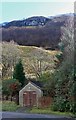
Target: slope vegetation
38,60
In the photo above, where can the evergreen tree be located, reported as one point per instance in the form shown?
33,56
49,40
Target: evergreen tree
19,73
65,87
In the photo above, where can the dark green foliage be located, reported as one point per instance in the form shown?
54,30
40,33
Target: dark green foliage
65,88
19,73
48,84
60,57
10,86
60,104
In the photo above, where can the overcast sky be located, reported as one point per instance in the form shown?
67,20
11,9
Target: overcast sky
19,10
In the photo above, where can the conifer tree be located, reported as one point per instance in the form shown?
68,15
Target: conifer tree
19,73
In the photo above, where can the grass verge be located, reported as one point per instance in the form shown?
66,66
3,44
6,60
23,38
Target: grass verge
49,111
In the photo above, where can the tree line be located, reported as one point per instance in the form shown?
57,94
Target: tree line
45,36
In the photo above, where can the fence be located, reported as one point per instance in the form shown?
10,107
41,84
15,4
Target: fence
45,101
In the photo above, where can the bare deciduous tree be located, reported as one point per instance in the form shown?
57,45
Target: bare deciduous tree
68,38
39,61
10,56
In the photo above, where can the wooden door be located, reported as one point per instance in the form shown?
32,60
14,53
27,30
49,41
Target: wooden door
29,98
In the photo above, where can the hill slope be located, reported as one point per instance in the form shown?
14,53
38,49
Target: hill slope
35,31
32,21
37,60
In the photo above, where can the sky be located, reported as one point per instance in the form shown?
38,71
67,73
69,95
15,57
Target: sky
10,11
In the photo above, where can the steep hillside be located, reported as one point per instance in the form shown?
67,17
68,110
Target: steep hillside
47,36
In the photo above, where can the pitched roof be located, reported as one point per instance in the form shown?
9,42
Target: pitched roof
37,83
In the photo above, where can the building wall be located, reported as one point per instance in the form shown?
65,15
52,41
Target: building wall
31,87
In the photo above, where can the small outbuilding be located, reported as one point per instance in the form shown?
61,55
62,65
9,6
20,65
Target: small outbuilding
30,94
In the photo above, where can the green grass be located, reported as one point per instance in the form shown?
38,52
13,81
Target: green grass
49,111
9,106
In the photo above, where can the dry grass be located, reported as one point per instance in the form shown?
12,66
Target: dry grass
29,53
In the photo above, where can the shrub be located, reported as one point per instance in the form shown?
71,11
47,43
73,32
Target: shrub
73,107
9,106
61,104
54,107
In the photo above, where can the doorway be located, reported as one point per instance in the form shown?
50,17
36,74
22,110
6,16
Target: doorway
29,98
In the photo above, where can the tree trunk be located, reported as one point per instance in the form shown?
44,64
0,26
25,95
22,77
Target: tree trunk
17,98
11,97
6,97
2,97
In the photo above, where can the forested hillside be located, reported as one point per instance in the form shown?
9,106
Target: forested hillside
35,31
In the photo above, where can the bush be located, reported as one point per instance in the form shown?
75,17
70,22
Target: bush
59,107
73,107
61,104
9,106
64,106
54,107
